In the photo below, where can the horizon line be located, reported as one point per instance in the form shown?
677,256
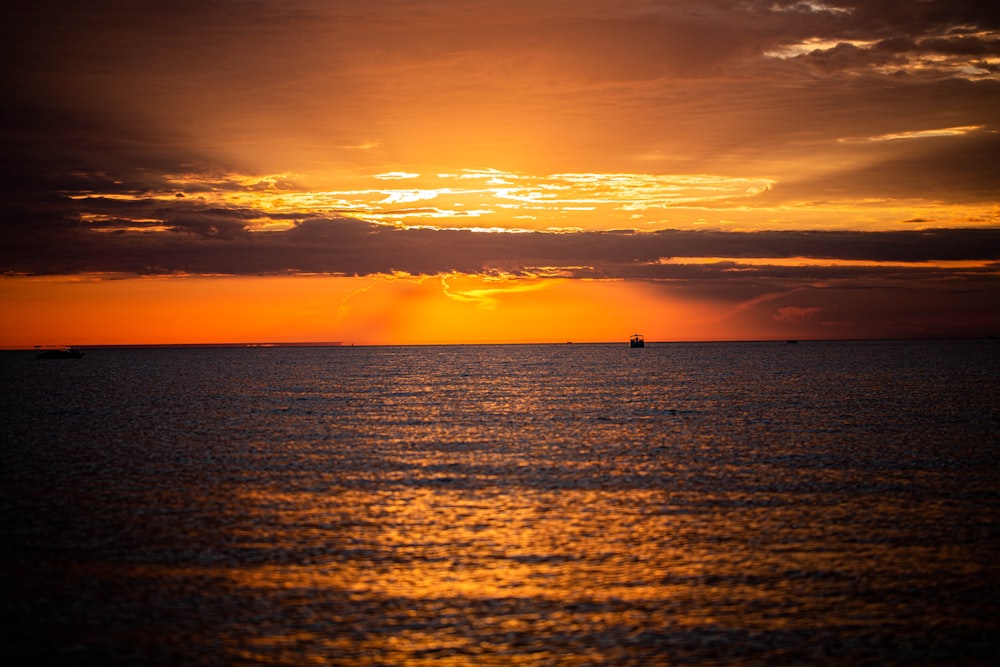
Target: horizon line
318,344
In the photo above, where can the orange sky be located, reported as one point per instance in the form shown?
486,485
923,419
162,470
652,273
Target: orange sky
442,172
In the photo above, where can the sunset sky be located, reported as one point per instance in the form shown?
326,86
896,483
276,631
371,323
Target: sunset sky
463,171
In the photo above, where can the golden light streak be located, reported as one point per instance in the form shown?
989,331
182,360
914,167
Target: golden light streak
486,297
920,134
811,261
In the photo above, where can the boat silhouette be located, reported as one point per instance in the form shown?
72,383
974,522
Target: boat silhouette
61,353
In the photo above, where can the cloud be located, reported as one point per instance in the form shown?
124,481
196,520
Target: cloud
927,39
268,87
955,164
187,237
796,315
395,175
925,134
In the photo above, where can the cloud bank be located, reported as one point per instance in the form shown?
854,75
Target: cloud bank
151,238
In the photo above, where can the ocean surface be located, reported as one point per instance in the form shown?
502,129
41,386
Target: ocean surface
830,503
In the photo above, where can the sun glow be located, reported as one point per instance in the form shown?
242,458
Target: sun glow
384,309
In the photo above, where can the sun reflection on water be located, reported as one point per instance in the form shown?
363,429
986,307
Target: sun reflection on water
506,505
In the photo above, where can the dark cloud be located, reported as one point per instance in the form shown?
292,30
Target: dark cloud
963,46
210,223
197,239
53,149
846,56
957,169
870,18
924,17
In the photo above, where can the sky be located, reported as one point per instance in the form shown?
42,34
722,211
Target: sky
474,171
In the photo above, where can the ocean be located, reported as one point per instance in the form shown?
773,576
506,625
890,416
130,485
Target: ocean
830,503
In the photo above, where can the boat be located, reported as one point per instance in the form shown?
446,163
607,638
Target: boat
62,353
637,341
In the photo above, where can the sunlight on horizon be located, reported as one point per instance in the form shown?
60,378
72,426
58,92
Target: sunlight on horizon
372,310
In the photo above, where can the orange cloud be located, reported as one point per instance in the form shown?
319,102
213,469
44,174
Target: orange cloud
795,315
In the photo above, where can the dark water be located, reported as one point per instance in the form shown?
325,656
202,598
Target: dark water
828,503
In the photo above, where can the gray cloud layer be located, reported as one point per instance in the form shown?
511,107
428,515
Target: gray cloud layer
217,241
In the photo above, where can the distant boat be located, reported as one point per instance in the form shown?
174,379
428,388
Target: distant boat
63,353
637,341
